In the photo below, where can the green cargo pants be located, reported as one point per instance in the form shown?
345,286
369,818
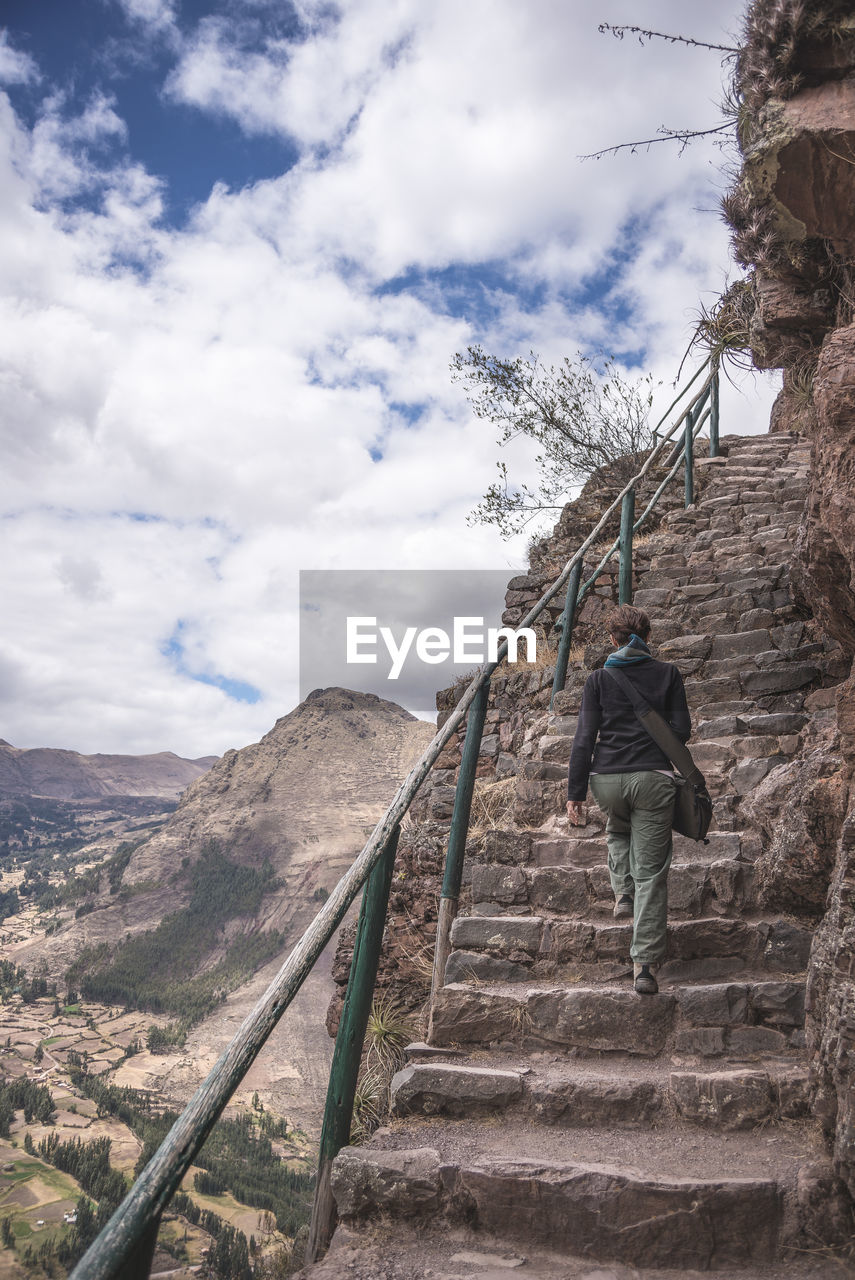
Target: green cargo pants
639,808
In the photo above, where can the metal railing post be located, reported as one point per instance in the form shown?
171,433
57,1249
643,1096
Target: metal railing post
714,415
457,836
560,678
689,458
627,518
347,1055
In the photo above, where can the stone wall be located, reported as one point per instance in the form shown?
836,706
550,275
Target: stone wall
791,214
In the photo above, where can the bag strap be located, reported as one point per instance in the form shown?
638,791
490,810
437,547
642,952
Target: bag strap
660,731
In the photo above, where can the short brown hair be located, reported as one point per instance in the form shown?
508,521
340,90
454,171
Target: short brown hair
625,621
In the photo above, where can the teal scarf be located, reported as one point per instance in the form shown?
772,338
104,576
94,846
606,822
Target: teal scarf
630,654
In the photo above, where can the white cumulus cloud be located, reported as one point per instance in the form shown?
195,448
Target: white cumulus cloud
195,412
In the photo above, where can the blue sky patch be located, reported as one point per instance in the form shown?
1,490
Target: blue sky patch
86,48
471,291
238,690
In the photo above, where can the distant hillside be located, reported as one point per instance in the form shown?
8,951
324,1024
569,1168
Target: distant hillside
68,775
228,884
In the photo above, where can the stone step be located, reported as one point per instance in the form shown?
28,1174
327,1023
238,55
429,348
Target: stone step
743,1020
627,1095
682,1199
694,889
775,945
400,1250
589,850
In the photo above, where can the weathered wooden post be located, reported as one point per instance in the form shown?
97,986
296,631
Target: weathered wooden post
347,1055
560,678
689,454
627,519
457,835
714,415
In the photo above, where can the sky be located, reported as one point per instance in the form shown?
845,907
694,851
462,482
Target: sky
240,243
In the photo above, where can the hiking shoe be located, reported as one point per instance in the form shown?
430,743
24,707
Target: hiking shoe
625,905
645,983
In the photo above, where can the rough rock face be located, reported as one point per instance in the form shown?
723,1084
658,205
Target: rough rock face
67,775
800,808
828,550
791,211
831,981
802,163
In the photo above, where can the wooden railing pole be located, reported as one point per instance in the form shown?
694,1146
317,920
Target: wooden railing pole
457,836
347,1055
560,678
138,1266
627,519
114,1251
689,458
714,415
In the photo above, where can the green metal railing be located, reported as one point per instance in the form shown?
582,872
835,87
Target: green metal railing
125,1247
703,408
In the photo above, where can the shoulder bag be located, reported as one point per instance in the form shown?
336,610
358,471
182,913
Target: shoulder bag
692,805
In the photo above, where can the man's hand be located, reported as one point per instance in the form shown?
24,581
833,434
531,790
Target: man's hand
577,812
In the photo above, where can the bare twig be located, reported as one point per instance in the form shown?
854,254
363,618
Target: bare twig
619,31
664,134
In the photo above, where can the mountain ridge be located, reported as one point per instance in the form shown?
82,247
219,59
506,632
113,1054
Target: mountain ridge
62,774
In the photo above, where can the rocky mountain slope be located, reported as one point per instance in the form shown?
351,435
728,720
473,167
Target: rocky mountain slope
68,775
300,802
791,214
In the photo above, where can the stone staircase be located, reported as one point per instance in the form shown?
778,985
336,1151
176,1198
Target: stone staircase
553,1107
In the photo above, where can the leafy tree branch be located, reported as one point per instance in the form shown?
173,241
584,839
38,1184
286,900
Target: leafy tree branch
583,415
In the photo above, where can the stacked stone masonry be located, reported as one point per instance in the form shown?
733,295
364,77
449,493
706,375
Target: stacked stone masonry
553,1105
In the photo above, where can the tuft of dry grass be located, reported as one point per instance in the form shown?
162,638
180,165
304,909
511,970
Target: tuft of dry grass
600,549
724,329
492,803
419,955
773,33
576,654
800,383
521,1023
369,1104
546,656
389,1031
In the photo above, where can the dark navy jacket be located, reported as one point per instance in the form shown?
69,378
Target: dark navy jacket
609,736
